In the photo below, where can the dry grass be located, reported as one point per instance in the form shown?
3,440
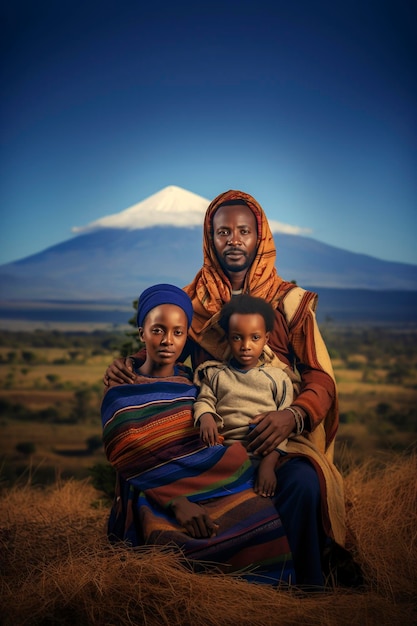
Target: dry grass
382,516
59,569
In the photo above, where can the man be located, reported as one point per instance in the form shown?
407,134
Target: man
239,257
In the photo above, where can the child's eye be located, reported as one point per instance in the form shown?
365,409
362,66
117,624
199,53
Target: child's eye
235,337
178,333
157,331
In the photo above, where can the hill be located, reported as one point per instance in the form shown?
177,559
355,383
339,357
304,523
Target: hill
110,264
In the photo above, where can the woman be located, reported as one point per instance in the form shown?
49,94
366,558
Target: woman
172,489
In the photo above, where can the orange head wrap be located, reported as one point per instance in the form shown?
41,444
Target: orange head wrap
211,287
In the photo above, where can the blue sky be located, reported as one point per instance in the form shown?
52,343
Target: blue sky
308,106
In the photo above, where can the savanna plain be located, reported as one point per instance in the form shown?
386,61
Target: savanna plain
56,487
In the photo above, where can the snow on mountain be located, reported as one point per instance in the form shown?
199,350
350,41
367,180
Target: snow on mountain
172,206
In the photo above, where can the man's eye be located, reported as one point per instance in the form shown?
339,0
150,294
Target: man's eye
244,231
223,233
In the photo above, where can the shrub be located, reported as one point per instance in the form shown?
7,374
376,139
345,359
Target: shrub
26,447
52,378
103,478
348,417
28,357
94,443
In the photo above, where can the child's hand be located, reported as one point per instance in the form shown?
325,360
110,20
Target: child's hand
208,430
266,480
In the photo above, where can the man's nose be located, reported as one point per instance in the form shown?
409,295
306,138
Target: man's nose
234,239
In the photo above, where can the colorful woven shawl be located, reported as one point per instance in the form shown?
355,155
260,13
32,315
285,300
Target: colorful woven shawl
150,439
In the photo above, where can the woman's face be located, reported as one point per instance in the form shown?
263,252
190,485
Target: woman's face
164,332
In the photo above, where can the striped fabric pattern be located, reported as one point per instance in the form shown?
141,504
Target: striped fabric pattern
151,441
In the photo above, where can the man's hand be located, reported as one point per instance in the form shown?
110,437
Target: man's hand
119,372
194,518
208,429
272,427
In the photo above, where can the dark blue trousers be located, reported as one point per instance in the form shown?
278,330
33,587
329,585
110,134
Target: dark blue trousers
298,503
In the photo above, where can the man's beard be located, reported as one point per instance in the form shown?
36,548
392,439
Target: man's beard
244,264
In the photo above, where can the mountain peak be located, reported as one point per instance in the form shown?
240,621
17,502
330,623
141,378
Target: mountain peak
172,206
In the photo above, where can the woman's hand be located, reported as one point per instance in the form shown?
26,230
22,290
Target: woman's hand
193,518
208,430
119,372
271,429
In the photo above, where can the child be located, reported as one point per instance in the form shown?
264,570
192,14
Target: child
252,382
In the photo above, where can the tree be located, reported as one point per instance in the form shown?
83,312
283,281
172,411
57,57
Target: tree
52,378
82,408
133,344
28,357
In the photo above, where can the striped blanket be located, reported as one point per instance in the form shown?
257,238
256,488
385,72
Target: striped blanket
151,441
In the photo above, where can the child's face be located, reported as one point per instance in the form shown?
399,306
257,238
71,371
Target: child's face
247,336
164,333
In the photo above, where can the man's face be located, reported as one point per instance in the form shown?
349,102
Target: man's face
235,237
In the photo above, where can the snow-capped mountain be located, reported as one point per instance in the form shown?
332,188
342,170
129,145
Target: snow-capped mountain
172,206
160,240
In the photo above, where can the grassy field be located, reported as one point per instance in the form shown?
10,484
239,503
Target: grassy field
51,390
57,566
50,398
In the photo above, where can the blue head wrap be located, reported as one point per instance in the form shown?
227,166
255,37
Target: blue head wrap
163,294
